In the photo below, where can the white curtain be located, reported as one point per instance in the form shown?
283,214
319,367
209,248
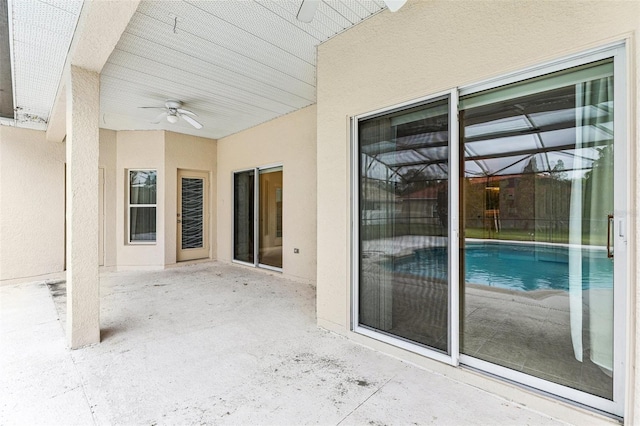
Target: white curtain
591,201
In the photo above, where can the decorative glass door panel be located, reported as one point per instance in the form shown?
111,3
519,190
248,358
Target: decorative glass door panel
192,213
537,195
192,237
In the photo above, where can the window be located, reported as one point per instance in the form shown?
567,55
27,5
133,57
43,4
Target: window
142,206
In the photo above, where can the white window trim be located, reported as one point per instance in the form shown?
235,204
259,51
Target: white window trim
129,205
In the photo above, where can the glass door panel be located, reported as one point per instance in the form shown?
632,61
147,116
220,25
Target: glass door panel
243,216
192,213
537,192
270,223
403,257
192,223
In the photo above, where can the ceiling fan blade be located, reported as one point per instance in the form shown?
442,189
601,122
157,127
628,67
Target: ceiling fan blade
191,121
307,10
152,107
159,118
186,111
394,5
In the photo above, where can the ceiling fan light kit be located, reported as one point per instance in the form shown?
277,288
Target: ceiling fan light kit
173,112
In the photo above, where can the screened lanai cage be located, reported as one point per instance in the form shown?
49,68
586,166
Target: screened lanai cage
528,163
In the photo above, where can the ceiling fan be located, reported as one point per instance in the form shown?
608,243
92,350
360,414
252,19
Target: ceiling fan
308,8
173,112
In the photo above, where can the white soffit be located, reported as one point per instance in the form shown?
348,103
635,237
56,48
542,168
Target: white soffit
235,63
41,35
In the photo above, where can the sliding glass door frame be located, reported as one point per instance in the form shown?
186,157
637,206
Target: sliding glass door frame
256,216
453,311
621,299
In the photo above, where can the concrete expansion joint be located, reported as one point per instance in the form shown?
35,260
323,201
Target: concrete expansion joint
366,399
84,390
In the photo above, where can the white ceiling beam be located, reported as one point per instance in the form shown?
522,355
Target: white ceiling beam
57,126
99,29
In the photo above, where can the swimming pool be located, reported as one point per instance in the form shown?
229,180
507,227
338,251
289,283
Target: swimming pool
514,266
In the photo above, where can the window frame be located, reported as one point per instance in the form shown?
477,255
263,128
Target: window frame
131,205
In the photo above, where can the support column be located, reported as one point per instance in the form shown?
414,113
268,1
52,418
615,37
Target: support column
82,145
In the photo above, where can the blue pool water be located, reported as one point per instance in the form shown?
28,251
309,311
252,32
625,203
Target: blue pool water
524,267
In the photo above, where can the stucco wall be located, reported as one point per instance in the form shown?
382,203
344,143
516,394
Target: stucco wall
139,150
289,140
190,153
107,161
31,204
425,48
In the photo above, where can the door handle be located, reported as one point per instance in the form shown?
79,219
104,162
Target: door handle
609,222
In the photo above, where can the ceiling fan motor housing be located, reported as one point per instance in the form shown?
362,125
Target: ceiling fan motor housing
170,104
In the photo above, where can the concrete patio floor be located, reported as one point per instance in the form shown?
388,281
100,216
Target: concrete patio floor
212,343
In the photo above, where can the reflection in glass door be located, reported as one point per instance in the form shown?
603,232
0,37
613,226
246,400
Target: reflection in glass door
257,211
270,223
538,192
403,185
243,216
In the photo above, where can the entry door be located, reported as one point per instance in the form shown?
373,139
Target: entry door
192,216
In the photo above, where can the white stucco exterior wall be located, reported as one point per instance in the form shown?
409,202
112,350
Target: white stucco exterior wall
31,204
188,153
428,47
289,140
139,150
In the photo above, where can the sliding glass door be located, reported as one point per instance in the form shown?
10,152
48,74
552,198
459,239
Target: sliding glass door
490,228
270,223
257,212
538,205
243,216
403,219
